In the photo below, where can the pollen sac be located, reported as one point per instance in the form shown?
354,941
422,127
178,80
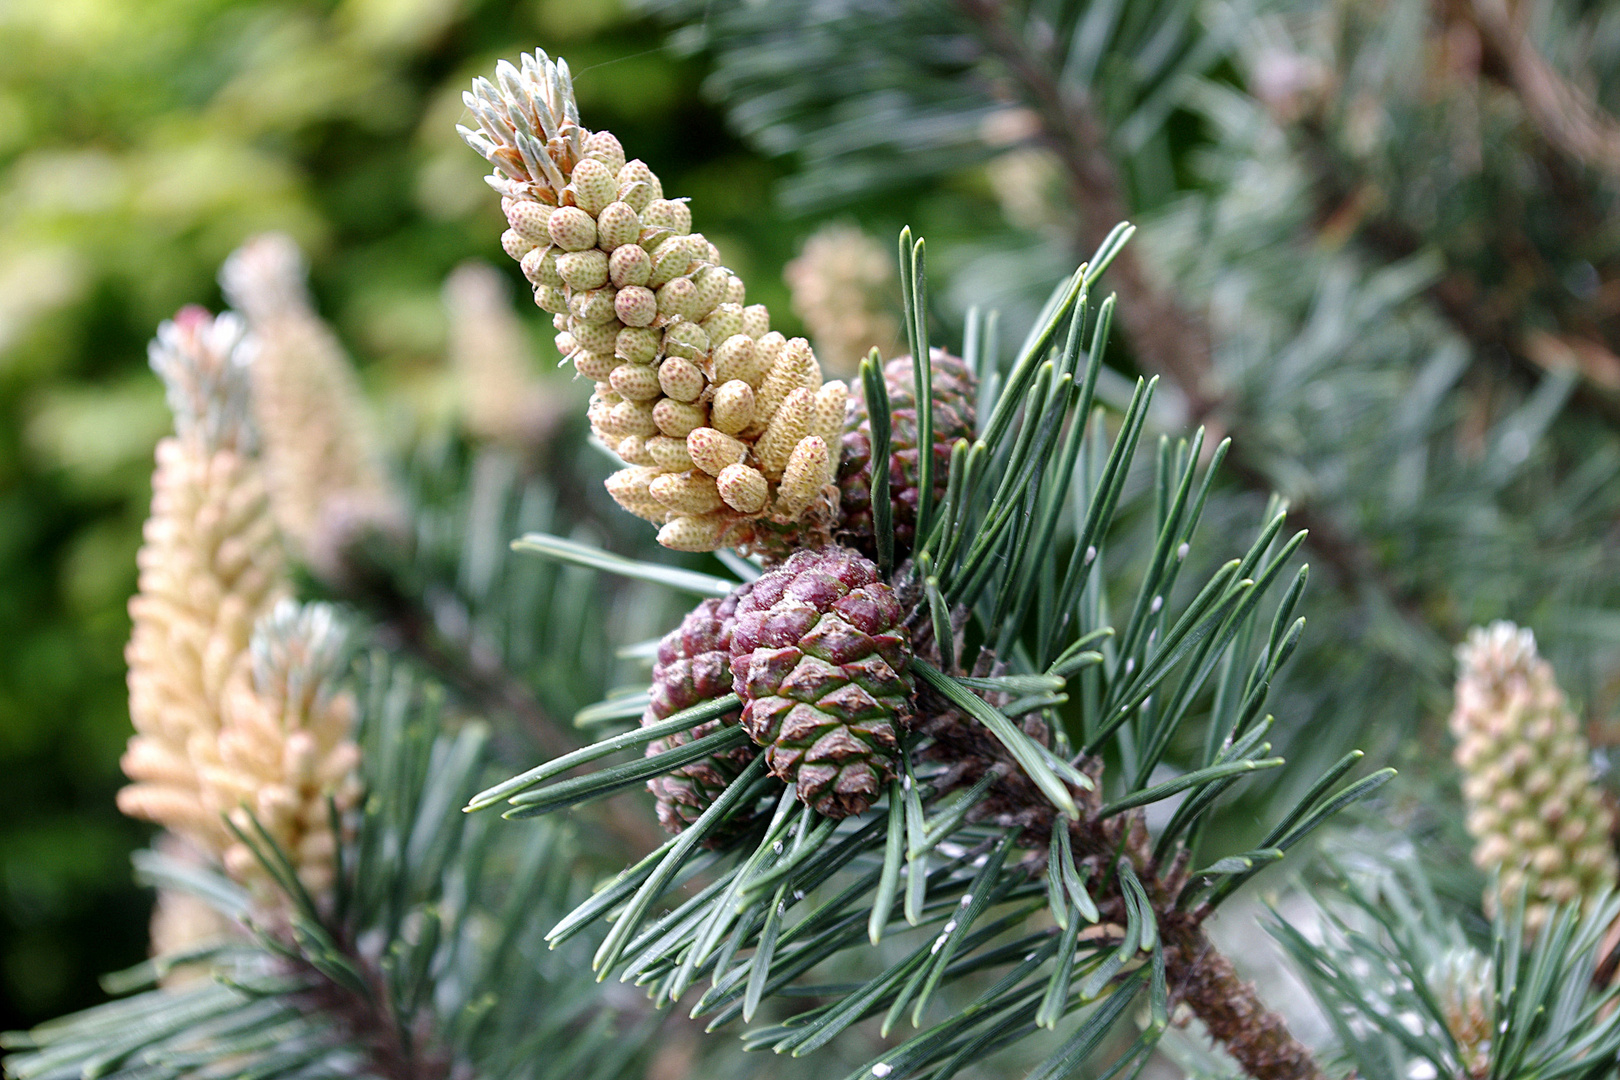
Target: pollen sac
638,184
604,146
686,340
689,493
571,228
635,305
516,244
583,269
629,265
712,451
631,489
539,265
791,423
670,455
677,419
678,299
597,367
725,321
680,379
617,226
593,306
638,344
743,487
597,337
669,214
705,533
756,320
808,470
594,186
528,220
551,298
636,382
734,361
732,409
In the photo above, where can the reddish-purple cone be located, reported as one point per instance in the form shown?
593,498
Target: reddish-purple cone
954,391
694,666
821,659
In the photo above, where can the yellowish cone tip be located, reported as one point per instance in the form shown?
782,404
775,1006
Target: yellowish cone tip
647,312
1535,815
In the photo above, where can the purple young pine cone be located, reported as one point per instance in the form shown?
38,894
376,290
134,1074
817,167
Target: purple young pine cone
954,391
821,657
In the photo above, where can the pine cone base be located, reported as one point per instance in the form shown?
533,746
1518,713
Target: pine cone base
694,666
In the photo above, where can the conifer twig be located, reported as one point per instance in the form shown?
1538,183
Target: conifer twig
1565,115
1231,1011
1167,337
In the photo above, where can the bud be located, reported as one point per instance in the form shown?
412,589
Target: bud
1534,813
844,288
327,484
501,400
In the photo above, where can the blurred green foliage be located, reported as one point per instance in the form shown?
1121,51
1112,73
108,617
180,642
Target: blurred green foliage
139,144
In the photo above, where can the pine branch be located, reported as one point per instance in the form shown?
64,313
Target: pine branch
1231,1011
1490,322
1564,115
1169,339
368,1018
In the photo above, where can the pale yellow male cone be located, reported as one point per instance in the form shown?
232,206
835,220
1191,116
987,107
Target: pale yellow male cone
1533,809
327,486
210,565
286,746
845,289
645,310
502,401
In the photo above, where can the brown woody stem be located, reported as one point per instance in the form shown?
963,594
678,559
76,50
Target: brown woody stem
1231,1011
